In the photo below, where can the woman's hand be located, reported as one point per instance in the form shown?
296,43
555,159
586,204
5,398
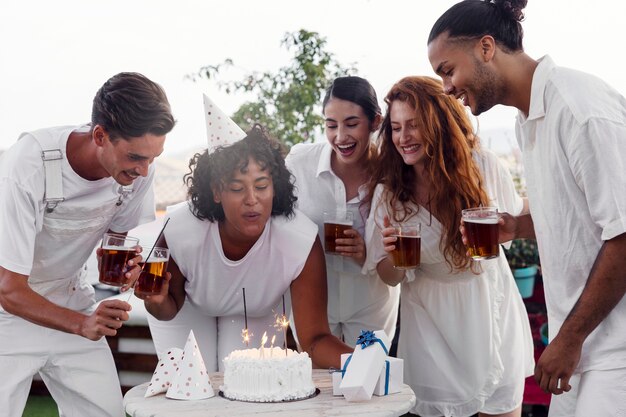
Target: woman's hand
353,246
161,297
389,241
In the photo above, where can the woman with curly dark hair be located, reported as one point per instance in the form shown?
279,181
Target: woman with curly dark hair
239,230
465,337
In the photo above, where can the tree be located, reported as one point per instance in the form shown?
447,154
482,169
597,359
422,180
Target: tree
288,103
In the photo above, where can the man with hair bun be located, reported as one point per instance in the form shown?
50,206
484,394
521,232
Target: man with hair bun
61,189
571,128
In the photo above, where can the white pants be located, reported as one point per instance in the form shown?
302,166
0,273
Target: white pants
79,373
216,336
593,393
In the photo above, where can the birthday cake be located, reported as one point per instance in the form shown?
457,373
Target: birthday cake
267,375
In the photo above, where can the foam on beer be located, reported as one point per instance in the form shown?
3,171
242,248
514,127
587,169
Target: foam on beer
120,248
480,220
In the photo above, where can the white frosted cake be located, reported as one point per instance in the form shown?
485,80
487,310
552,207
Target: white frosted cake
267,375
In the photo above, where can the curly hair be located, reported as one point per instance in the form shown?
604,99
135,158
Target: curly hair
471,19
448,142
209,171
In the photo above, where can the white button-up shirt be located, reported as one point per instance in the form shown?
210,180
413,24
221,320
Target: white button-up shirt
574,151
355,300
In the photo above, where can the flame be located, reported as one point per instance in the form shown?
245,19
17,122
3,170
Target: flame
264,339
273,340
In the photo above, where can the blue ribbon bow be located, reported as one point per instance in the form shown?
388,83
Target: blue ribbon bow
368,338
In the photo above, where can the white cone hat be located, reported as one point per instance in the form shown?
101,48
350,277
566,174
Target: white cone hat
192,380
220,128
165,372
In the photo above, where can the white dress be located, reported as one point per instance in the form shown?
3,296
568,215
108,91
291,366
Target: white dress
214,306
463,337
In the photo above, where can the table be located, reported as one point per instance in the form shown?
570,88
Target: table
324,404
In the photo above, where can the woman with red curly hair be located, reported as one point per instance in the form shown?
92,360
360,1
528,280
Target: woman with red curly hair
464,337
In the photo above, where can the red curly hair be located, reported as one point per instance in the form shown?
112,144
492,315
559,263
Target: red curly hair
448,140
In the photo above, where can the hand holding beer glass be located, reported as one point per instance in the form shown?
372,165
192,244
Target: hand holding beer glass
117,250
408,244
481,232
335,224
153,269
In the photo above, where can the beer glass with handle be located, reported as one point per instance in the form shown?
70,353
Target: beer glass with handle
482,232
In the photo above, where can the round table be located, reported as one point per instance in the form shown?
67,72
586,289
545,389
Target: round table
324,404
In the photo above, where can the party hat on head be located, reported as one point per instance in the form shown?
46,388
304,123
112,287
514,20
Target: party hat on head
192,380
220,128
165,372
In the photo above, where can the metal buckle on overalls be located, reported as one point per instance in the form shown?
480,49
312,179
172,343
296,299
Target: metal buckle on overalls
51,155
51,204
123,191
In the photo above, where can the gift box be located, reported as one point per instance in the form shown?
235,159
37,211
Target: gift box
337,374
390,380
362,369
391,377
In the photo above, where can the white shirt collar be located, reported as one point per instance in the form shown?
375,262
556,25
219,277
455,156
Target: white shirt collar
536,109
324,162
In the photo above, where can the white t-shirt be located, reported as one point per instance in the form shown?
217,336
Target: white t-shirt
214,282
88,205
355,299
214,307
574,152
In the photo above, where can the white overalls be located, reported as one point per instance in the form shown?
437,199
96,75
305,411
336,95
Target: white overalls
79,373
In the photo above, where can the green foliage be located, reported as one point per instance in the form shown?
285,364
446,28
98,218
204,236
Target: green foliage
522,253
288,102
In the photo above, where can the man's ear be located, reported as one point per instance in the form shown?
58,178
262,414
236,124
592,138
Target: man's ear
487,45
99,134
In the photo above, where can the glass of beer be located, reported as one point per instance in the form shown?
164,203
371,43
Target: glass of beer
481,231
406,255
335,224
153,270
117,250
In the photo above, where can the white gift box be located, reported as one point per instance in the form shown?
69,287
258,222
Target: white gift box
337,374
363,371
393,379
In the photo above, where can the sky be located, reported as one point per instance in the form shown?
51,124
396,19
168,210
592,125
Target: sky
54,55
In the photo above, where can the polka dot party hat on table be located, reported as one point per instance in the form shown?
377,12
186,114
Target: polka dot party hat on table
191,380
164,373
220,129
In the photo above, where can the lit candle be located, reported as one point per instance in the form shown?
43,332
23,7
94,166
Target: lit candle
272,346
263,342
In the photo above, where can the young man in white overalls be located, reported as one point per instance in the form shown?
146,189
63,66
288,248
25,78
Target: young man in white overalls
61,188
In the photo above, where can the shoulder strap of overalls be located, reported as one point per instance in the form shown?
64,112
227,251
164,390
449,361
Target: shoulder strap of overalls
52,158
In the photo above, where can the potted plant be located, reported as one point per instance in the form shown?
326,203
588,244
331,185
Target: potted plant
523,258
